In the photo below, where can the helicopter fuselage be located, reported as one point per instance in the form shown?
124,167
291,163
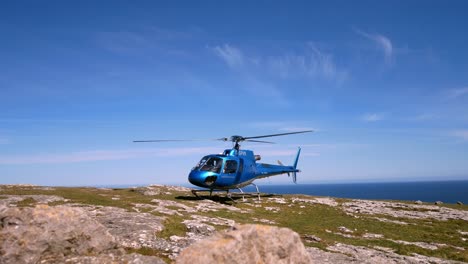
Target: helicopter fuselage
234,169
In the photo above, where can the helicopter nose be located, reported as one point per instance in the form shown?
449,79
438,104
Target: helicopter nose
202,178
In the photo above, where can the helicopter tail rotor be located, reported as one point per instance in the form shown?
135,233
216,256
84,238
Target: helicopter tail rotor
295,165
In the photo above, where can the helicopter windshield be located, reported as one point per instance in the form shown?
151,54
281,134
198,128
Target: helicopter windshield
212,164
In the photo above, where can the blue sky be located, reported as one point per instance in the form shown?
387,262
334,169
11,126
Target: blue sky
383,84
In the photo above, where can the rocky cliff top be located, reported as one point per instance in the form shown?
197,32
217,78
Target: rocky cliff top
158,224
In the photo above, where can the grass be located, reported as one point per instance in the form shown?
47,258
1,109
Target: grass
304,218
28,202
149,252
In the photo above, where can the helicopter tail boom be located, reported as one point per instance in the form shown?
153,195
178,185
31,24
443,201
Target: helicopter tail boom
267,170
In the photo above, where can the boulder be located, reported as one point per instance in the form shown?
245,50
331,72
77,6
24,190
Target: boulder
29,235
59,234
248,244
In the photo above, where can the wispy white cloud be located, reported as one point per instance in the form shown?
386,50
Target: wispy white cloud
456,93
461,134
312,62
102,155
372,117
381,41
231,55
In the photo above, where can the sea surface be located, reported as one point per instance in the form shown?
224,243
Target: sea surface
445,191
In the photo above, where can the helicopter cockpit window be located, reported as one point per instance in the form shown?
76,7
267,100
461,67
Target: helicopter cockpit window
201,163
212,164
230,166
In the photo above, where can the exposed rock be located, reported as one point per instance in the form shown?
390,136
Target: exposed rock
211,206
12,200
198,228
312,238
418,202
403,210
438,203
171,187
430,246
385,220
157,189
248,244
355,254
459,203
372,236
157,209
264,221
273,209
321,256
131,229
214,220
345,229
150,191
29,235
318,200
167,207
277,200
113,259
26,187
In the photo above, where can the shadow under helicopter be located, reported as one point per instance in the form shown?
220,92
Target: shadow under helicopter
232,198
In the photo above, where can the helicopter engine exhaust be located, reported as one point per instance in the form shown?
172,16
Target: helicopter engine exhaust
210,180
258,157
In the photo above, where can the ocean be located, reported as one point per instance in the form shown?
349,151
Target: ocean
445,191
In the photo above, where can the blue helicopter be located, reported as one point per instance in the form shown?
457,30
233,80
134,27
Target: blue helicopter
235,168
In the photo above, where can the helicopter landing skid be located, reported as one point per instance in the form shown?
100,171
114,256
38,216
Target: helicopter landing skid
230,195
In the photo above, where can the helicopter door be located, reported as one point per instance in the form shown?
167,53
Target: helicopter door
230,167
240,170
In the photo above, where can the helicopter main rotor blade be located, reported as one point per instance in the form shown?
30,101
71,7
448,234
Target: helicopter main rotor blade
235,139
260,141
172,140
281,134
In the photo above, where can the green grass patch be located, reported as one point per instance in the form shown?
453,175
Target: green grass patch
149,252
28,202
173,226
